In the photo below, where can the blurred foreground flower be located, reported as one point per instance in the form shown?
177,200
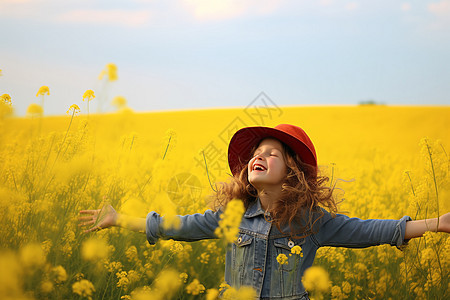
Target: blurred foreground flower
11,279
111,71
243,293
316,280
34,110
32,256
230,220
95,249
212,294
165,285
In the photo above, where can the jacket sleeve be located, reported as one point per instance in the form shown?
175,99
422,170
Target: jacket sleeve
192,227
342,231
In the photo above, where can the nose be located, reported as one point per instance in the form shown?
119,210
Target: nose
259,157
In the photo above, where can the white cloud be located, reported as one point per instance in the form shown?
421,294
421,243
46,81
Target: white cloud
217,10
110,17
15,1
405,6
441,8
352,6
441,11
326,2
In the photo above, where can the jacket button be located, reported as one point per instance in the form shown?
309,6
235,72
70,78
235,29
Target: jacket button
291,244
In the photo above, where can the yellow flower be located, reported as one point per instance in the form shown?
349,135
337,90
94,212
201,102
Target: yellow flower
74,108
59,273
46,286
243,293
88,95
204,258
111,71
1,72
32,256
282,259
114,266
84,288
165,285
94,249
230,221
6,98
119,101
34,109
316,279
183,277
336,293
123,282
346,287
297,250
131,254
43,90
195,287
212,294
223,286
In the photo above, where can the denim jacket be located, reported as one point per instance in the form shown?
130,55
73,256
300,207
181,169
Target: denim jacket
251,260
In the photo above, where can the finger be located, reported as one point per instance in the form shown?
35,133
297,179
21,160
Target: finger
89,211
85,218
86,223
96,228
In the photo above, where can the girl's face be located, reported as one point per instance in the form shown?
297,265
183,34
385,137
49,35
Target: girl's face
268,166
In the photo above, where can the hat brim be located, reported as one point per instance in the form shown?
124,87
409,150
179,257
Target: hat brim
246,138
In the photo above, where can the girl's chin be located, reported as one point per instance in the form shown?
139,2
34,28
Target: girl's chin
258,182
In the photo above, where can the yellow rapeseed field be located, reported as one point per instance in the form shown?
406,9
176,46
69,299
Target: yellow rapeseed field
385,162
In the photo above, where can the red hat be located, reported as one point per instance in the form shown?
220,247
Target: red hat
244,139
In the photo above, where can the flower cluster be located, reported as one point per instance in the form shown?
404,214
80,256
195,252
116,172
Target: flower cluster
230,220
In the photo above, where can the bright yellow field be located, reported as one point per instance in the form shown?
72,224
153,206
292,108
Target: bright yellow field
390,161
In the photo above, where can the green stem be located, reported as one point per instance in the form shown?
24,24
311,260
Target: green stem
167,147
207,172
410,181
435,185
332,174
448,160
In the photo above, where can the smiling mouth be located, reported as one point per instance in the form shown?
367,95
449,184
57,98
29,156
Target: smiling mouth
258,167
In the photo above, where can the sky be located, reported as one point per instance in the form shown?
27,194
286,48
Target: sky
190,54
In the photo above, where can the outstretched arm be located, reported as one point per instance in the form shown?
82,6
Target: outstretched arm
108,217
418,228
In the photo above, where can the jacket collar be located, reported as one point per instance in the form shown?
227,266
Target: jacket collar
254,209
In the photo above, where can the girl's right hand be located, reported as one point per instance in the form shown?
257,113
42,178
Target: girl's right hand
99,218
444,223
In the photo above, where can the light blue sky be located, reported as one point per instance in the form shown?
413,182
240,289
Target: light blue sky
217,53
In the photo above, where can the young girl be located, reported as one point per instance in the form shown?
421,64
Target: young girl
276,176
